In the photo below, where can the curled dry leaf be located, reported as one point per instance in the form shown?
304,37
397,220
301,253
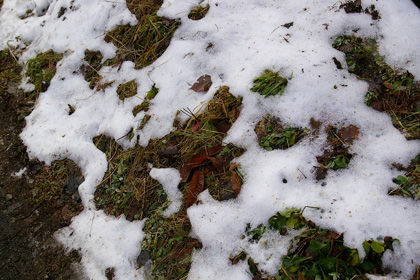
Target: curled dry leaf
203,84
196,187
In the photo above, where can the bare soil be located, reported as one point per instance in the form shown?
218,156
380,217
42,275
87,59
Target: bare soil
27,247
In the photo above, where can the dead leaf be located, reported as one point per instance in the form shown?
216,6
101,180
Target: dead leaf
288,25
349,134
203,84
71,109
196,187
195,126
221,163
168,152
236,182
197,159
388,242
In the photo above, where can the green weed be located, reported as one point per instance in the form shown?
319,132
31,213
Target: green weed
272,135
317,253
269,83
144,106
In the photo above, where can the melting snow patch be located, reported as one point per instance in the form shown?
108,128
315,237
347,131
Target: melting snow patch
246,38
169,178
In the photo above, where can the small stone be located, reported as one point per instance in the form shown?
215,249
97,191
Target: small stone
9,196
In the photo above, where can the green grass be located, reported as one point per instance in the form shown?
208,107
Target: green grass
199,12
269,84
41,70
147,40
392,91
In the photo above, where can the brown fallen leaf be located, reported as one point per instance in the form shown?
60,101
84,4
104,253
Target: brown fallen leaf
196,187
168,152
203,84
388,242
197,159
221,164
236,183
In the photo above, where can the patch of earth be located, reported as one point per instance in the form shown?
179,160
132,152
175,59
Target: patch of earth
27,247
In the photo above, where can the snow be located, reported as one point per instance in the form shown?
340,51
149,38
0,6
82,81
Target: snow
169,178
247,37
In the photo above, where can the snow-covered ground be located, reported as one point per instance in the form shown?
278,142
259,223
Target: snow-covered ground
247,37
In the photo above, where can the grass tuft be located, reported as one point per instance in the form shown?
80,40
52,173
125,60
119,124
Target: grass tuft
269,84
147,40
199,12
41,70
126,90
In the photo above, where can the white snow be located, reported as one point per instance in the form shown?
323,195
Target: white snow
247,38
169,178
19,173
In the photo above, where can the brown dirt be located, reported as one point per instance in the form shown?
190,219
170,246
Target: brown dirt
27,247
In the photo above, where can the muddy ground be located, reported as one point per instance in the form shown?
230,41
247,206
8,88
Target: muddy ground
27,247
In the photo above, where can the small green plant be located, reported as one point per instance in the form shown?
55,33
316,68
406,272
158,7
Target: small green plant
282,140
317,253
272,135
338,162
199,12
